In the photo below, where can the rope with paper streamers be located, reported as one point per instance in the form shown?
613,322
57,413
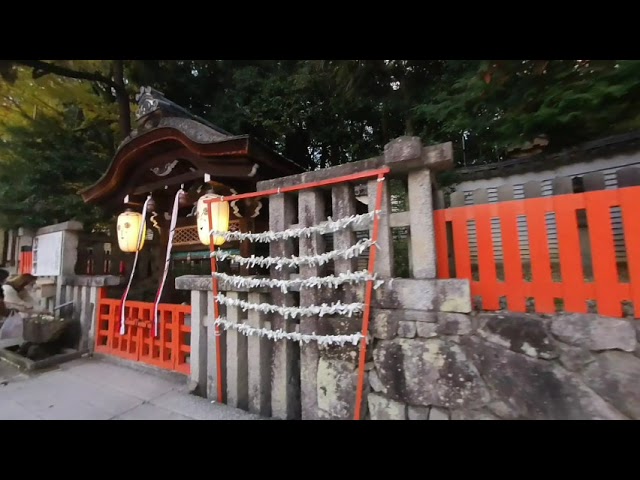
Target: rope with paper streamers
333,281
331,226
311,260
339,308
133,269
369,221
280,334
285,286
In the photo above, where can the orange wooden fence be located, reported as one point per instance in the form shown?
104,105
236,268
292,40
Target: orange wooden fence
606,288
169,351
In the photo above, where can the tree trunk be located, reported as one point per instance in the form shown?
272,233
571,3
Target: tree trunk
124,120
408,126
296,147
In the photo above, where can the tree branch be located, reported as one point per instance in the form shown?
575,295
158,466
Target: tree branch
17,107
41,68
117,84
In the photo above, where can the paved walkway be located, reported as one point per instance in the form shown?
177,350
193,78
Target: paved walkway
98,389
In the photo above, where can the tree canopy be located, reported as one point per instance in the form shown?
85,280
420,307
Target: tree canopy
60,121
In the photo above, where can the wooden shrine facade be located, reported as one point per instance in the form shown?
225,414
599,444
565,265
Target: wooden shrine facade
169,149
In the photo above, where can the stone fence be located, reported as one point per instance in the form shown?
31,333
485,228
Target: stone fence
282,378
428,356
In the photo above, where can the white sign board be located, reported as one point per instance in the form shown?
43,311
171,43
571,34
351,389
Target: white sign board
47,254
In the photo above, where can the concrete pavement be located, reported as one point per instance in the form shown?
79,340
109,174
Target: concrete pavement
97,389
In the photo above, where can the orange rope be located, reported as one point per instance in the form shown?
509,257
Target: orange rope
216,307
367,300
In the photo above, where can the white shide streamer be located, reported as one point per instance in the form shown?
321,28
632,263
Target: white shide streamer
312,260
332,281
280,334
167,260
141,232
337,308
330,226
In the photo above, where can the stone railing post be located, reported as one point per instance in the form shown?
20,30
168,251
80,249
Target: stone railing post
310,212
84,291
417,162
237,369
285,384
198,359
204,374
246,362
259,355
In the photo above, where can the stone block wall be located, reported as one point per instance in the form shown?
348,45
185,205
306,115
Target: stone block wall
440,366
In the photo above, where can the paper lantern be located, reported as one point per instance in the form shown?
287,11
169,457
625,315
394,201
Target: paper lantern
129,224
219,219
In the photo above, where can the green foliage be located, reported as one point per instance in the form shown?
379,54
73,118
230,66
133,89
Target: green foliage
56,137
57,133
330,112
297,107
43,165
503,104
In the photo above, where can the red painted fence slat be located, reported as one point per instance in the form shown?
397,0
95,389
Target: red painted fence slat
629,201
461,242
609,292
574,288
441,244
541,285
512,260
487,286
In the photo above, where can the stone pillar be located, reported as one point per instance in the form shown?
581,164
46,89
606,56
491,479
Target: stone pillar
384,256
237,386
337,368
285,383
70,241
259,354
310,212
204,373
423,244
212,351
198,359
84,291
246,362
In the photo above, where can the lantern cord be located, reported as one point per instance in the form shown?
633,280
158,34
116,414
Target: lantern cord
135,263
167,261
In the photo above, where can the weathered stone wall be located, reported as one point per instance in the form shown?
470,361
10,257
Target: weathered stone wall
444,365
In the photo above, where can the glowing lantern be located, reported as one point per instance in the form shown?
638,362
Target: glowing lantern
129,224
219,219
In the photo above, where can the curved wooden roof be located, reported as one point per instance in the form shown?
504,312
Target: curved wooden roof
174,150
144,157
